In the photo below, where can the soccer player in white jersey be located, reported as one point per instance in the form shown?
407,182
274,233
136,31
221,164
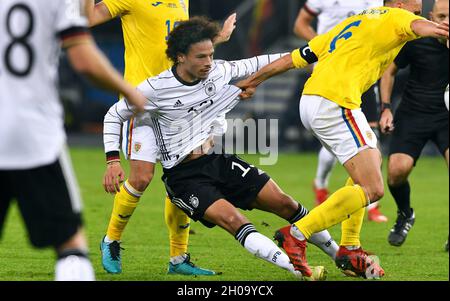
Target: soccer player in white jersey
146,25
186,105
35,167
329,13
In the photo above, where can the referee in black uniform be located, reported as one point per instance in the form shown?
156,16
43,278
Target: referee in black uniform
420,117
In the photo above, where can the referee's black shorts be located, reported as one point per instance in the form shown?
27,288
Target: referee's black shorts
195,185
48,199
370,105
412,131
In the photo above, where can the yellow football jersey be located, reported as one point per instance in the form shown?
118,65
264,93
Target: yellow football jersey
146,25
354,54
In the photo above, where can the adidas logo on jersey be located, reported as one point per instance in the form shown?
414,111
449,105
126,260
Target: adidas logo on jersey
178,104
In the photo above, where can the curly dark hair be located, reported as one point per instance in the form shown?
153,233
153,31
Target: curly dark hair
187,33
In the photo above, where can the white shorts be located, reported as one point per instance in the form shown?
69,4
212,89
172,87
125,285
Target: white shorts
139,142
342,131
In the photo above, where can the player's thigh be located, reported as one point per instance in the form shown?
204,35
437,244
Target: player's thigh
141,174
365,170
50,203
6,196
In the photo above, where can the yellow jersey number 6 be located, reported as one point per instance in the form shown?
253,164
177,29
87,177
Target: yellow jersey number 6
344,34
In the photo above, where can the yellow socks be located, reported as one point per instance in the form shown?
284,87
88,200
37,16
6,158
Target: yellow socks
337,208
178,223
351,227
124,204
126,201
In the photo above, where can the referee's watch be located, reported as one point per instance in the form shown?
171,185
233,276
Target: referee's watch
385,106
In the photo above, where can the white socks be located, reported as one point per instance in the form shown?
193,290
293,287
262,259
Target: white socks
107,239
74,268
177,259
323,241
264,248
372,205
326,163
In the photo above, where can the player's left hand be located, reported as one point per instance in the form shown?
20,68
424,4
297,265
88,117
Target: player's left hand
228,27
248,90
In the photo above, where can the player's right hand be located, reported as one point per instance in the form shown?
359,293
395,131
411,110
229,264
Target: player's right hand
443,28
387,122
113,178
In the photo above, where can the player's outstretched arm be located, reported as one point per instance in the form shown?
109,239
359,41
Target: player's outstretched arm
425,28
97,13
86,59
279,66
227,30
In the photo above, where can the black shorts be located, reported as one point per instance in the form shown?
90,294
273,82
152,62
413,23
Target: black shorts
370,105
413,131
195,185
48,200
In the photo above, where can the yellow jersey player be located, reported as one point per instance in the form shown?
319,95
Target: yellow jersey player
146,26
350,58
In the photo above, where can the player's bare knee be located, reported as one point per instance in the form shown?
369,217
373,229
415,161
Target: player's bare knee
141,180
375,192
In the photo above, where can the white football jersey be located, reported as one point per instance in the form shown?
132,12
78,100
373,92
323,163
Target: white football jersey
185,115
332,12
31,116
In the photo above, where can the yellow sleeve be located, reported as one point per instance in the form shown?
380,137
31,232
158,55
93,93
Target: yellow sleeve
321,43
402,20
310,53
118,7
298,60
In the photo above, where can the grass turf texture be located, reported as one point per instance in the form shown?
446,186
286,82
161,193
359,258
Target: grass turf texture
145,240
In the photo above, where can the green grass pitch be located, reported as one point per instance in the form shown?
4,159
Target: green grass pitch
145,239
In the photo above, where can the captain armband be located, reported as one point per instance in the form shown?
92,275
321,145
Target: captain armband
303,57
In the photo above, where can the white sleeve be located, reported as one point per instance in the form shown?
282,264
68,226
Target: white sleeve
69,14
121,112
314,7
236,70
112,125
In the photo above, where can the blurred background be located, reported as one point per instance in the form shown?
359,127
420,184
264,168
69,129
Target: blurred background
263,26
